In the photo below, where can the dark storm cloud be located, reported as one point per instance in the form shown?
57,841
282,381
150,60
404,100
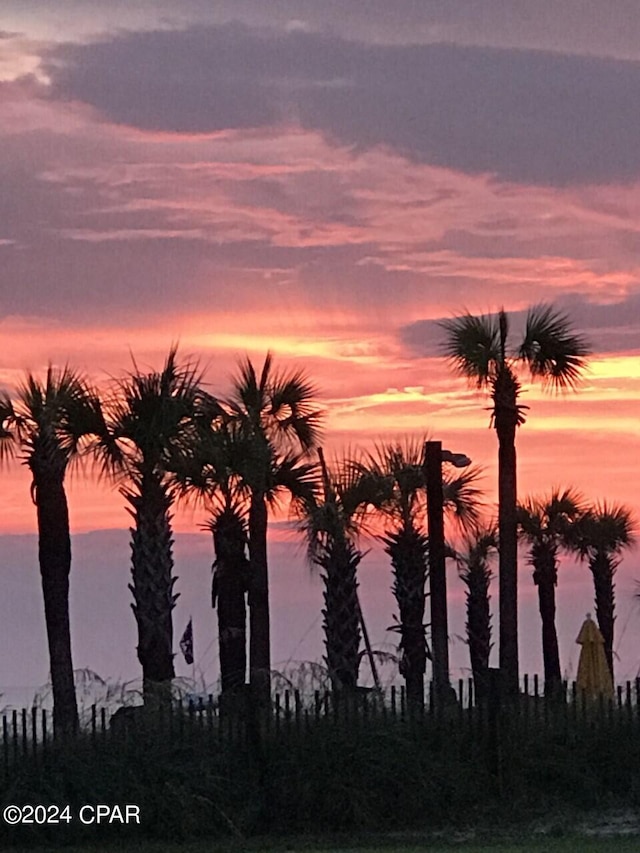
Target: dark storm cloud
525,116
610,328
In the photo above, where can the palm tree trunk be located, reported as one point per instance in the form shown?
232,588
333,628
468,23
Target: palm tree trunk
54,552
545,577
550,653
407,549
152,587
229,599
259,627
341,614
479,629
602,572
506,420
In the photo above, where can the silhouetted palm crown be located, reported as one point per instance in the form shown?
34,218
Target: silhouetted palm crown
51,420
478,348
546,523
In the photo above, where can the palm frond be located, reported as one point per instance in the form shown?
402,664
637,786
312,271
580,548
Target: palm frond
396,479
478,546
54,420
550,518
605,528
334,512
553,352
280,407
298,478
154,416
7,432
473,347
462,497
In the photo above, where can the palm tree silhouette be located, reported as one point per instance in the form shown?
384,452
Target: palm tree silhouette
208,474
545,523
477,347
330,518
474,569
153,420
218,471
275,412
600,536
49,422
397,491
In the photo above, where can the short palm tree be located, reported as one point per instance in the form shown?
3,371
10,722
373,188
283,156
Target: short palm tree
478,348
545,524
474,569
153,422
398,470
600,536
330,520
49,422
208,475
396,488
217,472
276,414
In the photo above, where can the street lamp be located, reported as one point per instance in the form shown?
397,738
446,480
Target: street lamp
434,456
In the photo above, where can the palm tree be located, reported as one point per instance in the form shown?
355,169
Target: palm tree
50,420
478,349
397,490
545,524
207,474
216,471
474,570
600,536
331,524
153,422
275,412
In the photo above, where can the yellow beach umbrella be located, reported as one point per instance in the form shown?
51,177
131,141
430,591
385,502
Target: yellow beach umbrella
594,676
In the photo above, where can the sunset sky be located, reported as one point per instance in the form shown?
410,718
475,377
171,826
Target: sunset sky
325,180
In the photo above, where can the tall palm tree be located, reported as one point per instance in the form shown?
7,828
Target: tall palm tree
276,412
397,492
600,536
49,421
153,422
474,569
478,348
545,524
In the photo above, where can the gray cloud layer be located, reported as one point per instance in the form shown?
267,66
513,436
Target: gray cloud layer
526,116
609,328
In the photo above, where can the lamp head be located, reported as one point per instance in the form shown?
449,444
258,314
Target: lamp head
458,460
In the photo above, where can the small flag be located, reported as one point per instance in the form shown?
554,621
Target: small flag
186,643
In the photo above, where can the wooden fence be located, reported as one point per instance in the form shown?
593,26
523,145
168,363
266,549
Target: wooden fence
30,731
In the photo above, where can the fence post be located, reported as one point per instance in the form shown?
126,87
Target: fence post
14,727
5,745
493,714
44,730
34,732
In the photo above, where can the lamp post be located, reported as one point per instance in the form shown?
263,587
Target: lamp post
434,456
